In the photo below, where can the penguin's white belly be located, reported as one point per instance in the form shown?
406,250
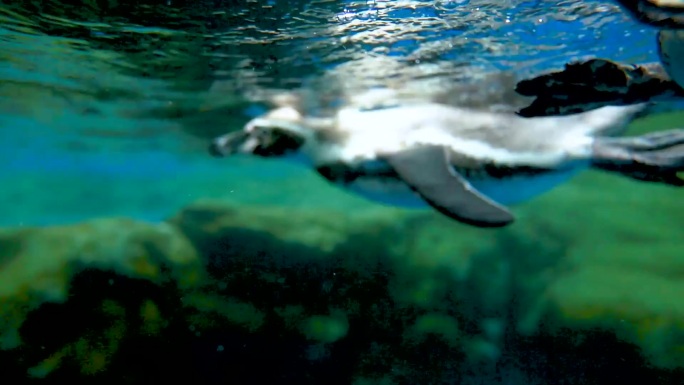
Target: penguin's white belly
507,191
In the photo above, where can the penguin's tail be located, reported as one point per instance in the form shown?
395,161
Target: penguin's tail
654,157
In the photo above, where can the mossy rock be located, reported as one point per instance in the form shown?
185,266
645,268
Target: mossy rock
38,267
622,270
385,294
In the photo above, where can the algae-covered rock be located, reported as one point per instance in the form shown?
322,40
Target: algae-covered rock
428,280
38,263
333,296
326,328
305,271
633,289
638,306
226,283
38,266
622,269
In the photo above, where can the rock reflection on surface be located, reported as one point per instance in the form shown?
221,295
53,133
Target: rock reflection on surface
196,62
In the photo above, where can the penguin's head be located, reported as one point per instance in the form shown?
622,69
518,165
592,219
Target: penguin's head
277,133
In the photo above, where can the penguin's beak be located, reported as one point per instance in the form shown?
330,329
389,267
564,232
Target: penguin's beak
228,144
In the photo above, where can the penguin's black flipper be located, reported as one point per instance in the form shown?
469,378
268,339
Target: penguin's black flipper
427,171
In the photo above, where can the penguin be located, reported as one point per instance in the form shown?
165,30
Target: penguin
468,164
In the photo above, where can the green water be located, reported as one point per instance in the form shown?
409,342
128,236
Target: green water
129,256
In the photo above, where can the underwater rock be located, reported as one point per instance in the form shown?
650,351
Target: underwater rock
637,306
627,297
333,296
71,296
469,294
37,264
621,269
112,299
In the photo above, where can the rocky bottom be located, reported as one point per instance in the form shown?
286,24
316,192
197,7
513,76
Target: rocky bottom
221,294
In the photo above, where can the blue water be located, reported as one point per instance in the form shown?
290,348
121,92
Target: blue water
46,131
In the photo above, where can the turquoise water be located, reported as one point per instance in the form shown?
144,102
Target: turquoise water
115,221
111,102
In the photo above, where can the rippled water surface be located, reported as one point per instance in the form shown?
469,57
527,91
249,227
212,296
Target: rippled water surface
145,55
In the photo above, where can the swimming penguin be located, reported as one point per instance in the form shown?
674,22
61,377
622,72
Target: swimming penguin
465,163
